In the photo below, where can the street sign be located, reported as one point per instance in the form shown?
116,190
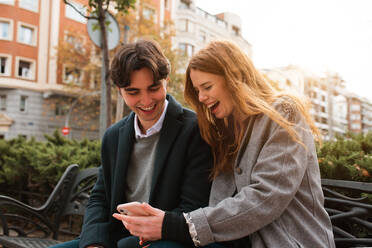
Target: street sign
112,31
65,130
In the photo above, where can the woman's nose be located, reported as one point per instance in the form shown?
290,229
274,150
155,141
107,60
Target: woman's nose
202,97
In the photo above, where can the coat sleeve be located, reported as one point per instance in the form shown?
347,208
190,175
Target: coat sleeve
195,186
275,179
96,218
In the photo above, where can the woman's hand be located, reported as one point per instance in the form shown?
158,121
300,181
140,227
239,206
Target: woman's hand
147,228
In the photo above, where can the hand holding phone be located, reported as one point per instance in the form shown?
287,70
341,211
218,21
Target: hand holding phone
132,209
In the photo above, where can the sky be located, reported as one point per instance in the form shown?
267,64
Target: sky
318,35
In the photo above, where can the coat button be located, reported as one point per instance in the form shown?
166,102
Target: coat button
238,170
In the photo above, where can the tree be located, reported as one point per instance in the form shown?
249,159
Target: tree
97,10
87,60
144,26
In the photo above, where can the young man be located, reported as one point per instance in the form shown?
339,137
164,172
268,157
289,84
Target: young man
153,155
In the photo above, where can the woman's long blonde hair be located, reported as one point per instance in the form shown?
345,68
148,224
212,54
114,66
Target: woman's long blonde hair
251,95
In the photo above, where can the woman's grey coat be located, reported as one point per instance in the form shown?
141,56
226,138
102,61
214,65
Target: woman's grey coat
279,200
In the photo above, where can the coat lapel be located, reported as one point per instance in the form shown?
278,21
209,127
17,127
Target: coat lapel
169,131
125,145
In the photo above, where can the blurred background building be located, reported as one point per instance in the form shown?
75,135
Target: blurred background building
39,92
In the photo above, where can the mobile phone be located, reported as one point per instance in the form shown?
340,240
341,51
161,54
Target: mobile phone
131,208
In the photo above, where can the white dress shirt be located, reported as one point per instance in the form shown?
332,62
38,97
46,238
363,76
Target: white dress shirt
152,130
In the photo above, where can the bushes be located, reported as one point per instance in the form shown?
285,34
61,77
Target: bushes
347,158
35,166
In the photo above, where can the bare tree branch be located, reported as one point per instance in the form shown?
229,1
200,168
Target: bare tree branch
107,5
78,11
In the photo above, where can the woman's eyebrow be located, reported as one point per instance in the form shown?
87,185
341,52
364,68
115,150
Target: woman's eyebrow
203,84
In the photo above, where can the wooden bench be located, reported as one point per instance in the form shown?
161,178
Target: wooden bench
24,226
350,211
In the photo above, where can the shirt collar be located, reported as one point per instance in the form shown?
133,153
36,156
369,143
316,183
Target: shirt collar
152,130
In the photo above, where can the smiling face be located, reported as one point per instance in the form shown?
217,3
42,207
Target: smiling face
212,92
145,97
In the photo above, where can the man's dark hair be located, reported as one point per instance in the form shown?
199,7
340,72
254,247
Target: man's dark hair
135,56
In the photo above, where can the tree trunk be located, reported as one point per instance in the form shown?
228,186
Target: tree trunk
105,54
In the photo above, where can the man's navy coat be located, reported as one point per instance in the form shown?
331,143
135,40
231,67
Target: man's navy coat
179,183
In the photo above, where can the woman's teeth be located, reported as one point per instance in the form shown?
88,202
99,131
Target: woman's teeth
212,105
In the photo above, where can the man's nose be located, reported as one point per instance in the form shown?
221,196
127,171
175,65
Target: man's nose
146,99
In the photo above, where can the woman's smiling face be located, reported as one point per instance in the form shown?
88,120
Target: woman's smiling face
212,92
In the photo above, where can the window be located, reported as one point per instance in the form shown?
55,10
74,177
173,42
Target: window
184,4
6,29
25,68
188,49
201,12
186,25
61,109
3,102
236,30
76,42
312,94
27,34
355,126
355,107
149,13
202,36
23,103
5,62
73,14
9,2
72,76
222,23
354,117
29,4
166,4
212,18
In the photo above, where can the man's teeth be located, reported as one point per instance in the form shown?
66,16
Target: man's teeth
148,108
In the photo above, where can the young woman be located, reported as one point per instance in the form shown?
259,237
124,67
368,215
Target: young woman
266,189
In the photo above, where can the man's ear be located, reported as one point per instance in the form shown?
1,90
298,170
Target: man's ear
118,88
166,83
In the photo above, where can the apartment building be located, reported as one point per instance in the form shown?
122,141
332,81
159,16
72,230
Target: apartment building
196,27
366,115
38,92
355,113
290,78
327,94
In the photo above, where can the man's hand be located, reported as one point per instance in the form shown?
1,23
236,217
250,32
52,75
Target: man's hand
148,228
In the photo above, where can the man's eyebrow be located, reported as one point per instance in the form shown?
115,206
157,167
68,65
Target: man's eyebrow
130,89
155,84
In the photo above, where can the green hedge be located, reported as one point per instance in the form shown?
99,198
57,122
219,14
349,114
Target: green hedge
347,158
35,166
